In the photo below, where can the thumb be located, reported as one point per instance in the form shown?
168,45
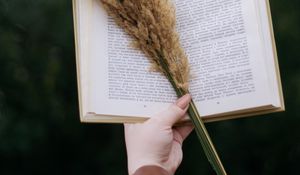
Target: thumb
176,111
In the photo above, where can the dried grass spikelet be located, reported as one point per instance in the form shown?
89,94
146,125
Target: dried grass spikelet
152,24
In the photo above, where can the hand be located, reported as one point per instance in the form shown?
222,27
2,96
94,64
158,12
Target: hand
157,142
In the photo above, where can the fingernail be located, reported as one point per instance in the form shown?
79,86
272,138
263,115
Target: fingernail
184,101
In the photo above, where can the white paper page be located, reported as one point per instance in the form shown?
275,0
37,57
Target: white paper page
99,101
223,43
270,57
83,20
110,57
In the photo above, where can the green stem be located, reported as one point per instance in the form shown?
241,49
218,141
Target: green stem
205,140
200,129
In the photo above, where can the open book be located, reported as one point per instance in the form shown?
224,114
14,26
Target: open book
231,50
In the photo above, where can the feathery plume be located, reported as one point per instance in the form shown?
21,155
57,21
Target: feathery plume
152,24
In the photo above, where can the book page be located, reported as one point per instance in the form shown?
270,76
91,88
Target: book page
222,41
270,52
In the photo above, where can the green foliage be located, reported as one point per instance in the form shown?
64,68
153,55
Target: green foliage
40,132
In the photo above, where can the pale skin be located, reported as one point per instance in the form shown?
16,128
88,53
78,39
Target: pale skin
157,142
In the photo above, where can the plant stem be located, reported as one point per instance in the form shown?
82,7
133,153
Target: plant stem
205,140
204,137
200,129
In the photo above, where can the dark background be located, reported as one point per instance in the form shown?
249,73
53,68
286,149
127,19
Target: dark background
40,132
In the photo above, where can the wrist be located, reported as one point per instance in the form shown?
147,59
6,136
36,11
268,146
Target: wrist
133,166
150,170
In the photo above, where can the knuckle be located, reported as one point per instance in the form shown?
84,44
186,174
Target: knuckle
176,110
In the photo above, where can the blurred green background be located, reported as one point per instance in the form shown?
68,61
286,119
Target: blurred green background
40,132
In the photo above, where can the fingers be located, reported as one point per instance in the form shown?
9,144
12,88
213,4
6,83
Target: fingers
184,101
175,112
184,131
